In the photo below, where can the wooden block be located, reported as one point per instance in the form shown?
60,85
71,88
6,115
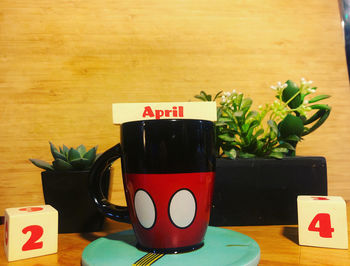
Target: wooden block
30,232
322,221
125,112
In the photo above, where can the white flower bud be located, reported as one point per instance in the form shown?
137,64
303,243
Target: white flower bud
311,90
273,87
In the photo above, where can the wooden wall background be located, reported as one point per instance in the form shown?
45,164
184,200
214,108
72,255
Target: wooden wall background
63,63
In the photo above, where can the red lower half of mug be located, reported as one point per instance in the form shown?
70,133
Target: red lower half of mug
169,212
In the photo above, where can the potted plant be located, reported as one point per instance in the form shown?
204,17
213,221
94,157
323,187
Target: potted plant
258,176
65,187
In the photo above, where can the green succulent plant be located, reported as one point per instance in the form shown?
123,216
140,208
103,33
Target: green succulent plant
68,159
272,131
293,111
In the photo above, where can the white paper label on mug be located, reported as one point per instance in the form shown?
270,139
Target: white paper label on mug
125,112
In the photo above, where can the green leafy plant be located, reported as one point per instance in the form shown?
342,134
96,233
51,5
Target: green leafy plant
272,131
68,159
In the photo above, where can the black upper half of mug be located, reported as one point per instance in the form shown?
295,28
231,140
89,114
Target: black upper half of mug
168,146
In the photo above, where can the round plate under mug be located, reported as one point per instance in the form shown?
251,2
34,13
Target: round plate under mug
221,247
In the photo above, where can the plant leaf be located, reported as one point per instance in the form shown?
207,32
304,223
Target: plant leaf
246,155
220,124
224,119
207,97
319,98
232,154
246,104
314,117
81,149
42,164
239,100
80,164
245,128
291,91
217,95
291,125
238,113
280,150
57,155
286,145
65,150
251,114
273,126
61,165
320,106
277,155
226,137
254,124
318,123
259,132
53,149
91,155
200,97
73,154
292,138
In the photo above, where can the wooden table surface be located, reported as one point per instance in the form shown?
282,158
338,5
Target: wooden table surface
278,245
63,63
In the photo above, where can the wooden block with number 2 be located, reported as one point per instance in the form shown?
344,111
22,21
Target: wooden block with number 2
322,221
30,232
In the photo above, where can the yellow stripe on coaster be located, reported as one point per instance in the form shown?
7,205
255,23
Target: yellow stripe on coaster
148,259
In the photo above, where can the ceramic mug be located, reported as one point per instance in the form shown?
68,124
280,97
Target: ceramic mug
168,174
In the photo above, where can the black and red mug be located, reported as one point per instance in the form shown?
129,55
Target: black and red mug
168,174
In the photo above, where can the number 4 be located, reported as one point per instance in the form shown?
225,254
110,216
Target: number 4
324,225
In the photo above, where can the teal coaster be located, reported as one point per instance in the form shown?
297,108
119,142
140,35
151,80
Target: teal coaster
221,247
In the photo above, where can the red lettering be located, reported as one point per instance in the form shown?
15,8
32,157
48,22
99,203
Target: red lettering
36,233
31,209
148,112
167,113
159,114
174,111
324,225
181,111
320,198
6,232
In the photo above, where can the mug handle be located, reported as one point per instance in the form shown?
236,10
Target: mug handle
103,164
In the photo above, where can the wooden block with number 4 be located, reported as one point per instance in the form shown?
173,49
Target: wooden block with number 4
30,232
322,221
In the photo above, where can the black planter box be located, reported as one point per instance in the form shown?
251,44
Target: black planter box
264,191
68,193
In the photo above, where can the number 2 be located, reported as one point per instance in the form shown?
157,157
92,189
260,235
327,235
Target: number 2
36,232
324,228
